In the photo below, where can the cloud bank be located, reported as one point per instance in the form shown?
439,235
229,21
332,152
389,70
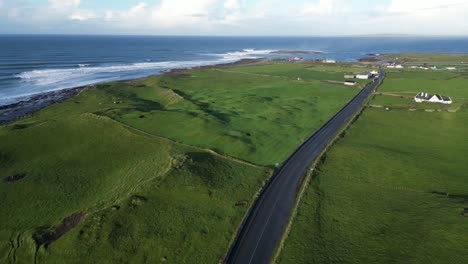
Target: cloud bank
237,17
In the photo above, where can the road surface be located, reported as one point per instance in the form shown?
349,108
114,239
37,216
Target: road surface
263,228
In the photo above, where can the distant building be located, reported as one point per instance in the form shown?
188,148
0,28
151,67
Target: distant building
349,76
364,76
432,98
451,68
395,66
293,59
374,72
329,61
350,83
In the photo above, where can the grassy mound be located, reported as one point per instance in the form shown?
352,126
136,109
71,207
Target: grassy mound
125,184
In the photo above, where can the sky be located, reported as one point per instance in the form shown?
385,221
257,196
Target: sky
235,17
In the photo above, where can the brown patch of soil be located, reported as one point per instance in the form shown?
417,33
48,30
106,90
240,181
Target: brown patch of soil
67,224
15,178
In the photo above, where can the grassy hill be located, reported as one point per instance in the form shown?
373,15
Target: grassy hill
126,172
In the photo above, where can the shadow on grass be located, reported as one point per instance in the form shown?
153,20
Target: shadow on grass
463,197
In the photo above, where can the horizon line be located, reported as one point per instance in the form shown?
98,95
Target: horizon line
383,35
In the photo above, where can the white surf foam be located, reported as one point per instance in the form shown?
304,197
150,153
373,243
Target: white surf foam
244,54
39,81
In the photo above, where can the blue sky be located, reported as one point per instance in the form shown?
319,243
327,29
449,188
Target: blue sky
235,17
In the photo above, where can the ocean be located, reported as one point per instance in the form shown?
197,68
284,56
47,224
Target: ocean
33,64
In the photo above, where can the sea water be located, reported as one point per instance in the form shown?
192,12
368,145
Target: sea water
33,64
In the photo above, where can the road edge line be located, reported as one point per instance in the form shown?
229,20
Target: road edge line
310,173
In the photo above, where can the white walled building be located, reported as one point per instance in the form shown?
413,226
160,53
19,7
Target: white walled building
364,76
432,98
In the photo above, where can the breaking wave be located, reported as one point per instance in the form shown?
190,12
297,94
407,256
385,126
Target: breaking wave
44,80
56,76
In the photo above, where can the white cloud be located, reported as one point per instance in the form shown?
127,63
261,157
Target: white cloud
83,15
172,13
232,5
325,7
272,17
64,6
424,17
322,7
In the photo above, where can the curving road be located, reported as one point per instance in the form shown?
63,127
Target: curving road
263,228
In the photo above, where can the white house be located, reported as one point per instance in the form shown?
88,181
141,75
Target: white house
329,61
432,98
451,68
364,76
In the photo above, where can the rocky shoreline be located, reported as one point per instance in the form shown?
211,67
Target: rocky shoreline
13,112
296,52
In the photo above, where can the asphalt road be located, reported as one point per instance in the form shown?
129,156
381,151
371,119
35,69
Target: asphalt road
264,226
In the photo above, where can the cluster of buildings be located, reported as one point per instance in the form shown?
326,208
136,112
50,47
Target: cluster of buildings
424,67
432,68
395,66
360,76
295,59
432,98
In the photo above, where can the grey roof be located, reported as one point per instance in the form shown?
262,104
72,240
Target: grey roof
424,96
446,98
427,96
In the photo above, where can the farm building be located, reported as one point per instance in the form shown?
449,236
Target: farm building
350,83
329,61
432,98
349,76
365,76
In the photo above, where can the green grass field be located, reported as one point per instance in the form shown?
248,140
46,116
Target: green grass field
169,196
134,162
429,58
393,190
258,118
408,83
